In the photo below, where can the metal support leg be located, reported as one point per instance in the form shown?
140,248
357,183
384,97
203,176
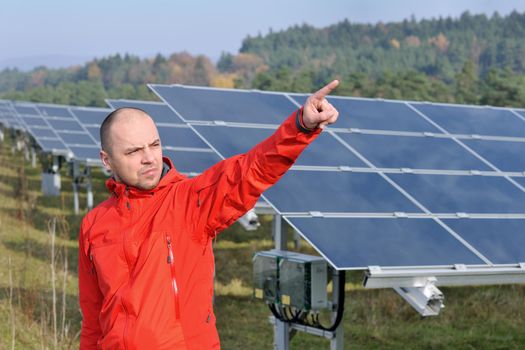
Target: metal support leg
296,240
89,189
75,196
281,329
279,234
282,335
336,343
33,157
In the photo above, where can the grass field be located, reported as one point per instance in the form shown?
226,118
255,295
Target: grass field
34,315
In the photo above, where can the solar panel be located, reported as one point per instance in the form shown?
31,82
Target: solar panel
90,115
229,141
54,111
76,138
387,151
191,162
60,124
363,242
501,240
206,104
87,154
474,120
505,155
375,114
467,194
160,112
369,193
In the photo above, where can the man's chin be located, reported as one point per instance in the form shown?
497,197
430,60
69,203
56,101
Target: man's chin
146,186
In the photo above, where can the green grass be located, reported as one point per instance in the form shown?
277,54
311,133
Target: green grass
474,318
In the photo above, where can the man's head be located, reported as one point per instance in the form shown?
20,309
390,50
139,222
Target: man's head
131,148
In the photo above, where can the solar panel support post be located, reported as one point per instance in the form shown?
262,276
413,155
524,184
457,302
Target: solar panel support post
89,188
281,329
336,343
27,155
33,157
279,234
75,181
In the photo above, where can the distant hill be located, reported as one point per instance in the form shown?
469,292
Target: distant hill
470,59
437,47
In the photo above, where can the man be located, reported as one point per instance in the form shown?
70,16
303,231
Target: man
145,256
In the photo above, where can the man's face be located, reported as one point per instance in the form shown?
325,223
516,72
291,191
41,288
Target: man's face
134,153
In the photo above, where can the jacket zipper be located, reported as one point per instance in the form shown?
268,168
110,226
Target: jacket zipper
171,263
127,261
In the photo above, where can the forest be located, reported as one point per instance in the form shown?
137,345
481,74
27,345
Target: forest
472,59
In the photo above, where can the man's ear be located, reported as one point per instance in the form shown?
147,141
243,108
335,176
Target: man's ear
104,157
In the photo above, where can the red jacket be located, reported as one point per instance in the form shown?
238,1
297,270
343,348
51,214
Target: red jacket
146,263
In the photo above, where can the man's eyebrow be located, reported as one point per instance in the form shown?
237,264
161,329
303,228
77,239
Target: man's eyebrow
137,148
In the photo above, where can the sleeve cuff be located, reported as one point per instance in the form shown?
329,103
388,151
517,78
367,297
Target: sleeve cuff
299,122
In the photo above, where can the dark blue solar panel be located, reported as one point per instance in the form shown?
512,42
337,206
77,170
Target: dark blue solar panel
25,110
38,132
59,124
519,180
500,240
520,112
34,121
325,151
362,242
474,120
192,162
51,145
76,139
54,111
469,194
376,114
327,191
226,105
85,153
94,131
159,112
506,156
413,152
90,116
180,137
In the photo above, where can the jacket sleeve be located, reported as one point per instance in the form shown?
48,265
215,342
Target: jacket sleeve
90,297
230,188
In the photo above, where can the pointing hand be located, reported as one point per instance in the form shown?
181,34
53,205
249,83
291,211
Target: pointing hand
317,111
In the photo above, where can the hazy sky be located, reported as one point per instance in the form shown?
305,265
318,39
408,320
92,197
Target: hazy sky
33,31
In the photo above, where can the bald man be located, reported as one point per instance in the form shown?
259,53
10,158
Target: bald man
146,263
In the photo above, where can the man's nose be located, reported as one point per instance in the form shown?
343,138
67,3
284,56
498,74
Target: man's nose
148,156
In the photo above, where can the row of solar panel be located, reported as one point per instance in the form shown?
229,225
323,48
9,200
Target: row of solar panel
230,121
357,218
432,152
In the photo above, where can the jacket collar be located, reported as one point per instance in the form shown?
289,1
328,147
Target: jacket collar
169,175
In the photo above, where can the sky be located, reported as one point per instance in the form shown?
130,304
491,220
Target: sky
65,32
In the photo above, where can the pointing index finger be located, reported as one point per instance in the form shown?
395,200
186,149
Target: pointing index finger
326,90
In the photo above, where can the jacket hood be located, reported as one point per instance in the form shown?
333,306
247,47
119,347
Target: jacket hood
171,176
